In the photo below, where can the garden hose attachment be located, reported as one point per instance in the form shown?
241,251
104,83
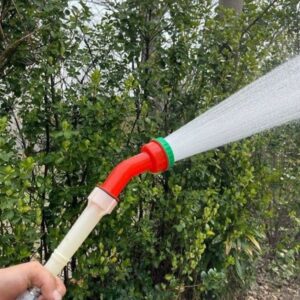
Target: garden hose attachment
156,156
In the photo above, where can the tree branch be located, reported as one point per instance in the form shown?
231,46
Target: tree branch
258,18
11,49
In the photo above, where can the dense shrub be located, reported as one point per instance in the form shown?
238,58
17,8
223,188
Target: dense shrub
77,96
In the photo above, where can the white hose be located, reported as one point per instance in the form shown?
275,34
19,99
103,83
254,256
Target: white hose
99,204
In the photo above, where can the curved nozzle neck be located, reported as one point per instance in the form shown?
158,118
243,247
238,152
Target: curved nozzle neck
153,158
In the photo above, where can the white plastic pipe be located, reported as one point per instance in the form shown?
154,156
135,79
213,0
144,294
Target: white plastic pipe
99,204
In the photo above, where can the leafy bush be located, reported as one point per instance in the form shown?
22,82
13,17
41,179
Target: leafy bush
78,97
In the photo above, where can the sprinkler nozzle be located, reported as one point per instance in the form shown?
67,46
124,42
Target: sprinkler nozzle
156,156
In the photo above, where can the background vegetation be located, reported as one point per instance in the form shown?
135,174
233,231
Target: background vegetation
80,92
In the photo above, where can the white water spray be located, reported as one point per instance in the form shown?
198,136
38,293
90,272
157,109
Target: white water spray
270,101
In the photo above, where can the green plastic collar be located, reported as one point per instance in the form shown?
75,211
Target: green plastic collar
168,150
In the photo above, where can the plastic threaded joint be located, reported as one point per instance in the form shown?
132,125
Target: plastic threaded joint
168,150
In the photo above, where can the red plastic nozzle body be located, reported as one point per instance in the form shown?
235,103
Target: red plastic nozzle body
152,158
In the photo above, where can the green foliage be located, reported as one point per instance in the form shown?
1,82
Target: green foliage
279,157
78,97
19,228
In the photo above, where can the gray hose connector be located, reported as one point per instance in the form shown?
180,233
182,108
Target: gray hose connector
33,294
